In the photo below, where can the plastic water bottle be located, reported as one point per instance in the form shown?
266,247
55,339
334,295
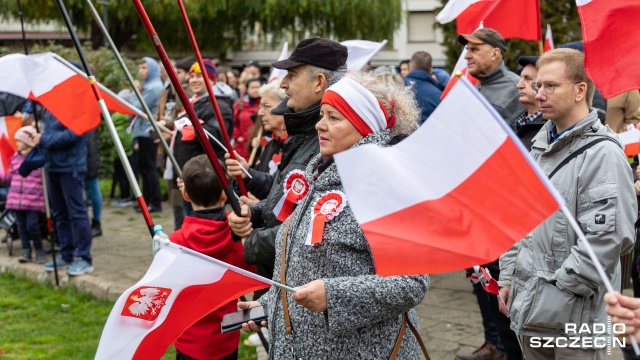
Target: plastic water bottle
159,238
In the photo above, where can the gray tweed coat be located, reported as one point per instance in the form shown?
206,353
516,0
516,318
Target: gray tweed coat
364,311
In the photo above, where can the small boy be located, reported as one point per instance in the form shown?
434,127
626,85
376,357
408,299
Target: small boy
206,231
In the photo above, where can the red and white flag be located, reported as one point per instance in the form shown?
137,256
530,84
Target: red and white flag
631,141
280,73
177,290
61,90
361,52
459,191
548,40
8,126
483,276
511,18
461,67
610,34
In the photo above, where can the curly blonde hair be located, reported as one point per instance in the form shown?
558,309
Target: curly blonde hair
405,108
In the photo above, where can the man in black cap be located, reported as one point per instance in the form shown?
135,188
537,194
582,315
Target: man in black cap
485,49
529,122
313,66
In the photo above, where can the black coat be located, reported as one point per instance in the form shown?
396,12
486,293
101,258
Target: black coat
261,175
299,148
93,154
185,150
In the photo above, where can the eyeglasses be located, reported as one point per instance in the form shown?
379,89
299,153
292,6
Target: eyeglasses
548,88
264,107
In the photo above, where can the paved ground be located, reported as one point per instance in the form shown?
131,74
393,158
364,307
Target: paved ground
449,318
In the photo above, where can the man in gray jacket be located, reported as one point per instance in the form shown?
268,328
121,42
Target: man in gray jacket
548,282
485,49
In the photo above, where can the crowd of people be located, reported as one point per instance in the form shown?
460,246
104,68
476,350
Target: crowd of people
284,136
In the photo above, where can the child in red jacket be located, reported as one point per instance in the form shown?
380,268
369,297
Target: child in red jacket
206,231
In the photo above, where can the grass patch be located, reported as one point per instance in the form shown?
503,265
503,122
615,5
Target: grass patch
40,322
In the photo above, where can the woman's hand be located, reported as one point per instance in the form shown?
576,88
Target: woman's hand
312,296
251,326
234,167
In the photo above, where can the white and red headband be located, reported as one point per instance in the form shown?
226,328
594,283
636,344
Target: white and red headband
359,106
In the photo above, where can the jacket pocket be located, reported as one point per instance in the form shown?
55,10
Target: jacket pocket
552,308
601,213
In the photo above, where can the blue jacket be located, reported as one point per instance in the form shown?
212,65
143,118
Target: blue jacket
64,151
426,91
151,92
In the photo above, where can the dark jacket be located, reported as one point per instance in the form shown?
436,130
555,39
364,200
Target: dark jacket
528,131
64,151
185,150
499,88
299,148
93,154
265,170
426,91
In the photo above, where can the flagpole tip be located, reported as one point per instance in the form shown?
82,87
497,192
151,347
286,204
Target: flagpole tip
458,74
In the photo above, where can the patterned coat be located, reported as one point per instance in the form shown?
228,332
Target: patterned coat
364,311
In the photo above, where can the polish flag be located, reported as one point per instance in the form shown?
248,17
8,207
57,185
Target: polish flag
280,73
548,40
361,52
177,290
461,67
511,18
61,90
610,34
631,141
483,276
8,127
460,191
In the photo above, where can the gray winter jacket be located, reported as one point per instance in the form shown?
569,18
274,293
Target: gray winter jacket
499,88
552,278
364,311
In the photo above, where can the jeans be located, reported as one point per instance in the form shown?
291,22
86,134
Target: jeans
66,192
93,192
490,331
28,222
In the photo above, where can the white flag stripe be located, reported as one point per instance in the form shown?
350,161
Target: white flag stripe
629,136
361,52
459,119
454,8
280,73
41,74
167,261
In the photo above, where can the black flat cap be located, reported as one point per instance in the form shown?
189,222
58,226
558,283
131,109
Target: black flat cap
529,59
323,53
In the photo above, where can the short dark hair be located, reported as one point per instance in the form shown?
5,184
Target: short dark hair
404,62
201,182
185,63
422,60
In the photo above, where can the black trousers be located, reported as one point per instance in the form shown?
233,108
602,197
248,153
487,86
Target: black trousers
146,166
181,356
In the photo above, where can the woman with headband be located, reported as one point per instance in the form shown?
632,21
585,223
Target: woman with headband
341,309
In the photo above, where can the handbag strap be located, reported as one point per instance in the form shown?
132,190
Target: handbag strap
283,292
578,152
396,347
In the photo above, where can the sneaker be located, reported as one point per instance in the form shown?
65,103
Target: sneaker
59,262
80,267
121,203
41,256
25,257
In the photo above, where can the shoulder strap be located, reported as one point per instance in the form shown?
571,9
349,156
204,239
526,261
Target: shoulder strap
396,347
283,292
578,152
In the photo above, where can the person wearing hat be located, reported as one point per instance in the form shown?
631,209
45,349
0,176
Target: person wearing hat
312,67
529,122
422,83
342,309
485,50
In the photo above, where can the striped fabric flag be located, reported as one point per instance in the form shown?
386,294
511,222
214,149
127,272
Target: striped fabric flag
8,127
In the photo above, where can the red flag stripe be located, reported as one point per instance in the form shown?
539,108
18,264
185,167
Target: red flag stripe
463,218
511,18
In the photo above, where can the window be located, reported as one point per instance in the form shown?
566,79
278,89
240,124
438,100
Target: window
421,26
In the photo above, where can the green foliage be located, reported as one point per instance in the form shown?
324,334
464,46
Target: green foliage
222,24
561,15
109,73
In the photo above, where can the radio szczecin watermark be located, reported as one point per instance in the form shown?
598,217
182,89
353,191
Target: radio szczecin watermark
584,336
